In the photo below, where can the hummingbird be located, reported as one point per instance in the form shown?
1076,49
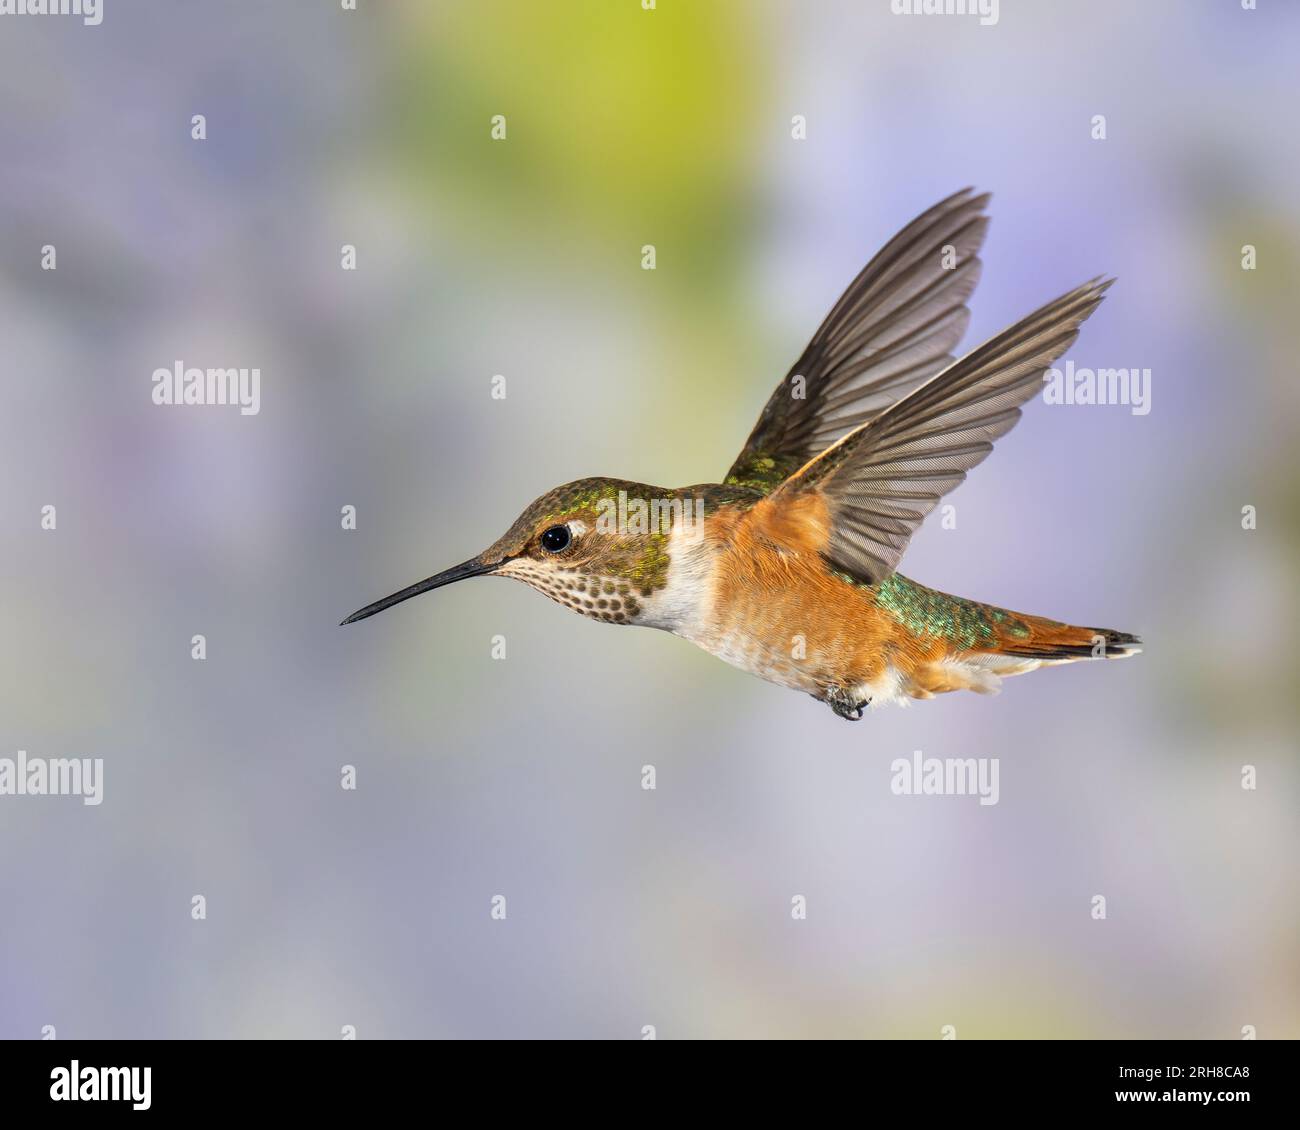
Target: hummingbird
787,568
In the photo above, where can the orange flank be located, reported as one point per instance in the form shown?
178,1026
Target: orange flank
778,611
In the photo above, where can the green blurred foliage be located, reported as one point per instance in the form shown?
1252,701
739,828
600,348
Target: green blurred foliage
612,114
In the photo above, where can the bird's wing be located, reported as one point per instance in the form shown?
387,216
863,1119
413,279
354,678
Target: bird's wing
891,331
878,482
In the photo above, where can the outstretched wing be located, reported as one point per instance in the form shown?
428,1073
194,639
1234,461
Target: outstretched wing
879,481
891,331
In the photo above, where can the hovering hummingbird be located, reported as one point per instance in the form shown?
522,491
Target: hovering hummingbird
786,568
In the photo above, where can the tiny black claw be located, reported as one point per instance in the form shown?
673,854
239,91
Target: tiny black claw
845,705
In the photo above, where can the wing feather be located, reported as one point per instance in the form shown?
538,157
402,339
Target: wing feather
893,329
880,480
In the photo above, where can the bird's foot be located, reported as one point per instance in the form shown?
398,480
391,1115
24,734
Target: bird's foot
844,704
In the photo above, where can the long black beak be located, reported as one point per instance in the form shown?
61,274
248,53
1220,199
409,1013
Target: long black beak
471,568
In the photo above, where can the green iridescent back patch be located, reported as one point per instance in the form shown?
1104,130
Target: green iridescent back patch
925,612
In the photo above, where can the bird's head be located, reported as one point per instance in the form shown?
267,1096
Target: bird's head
598,546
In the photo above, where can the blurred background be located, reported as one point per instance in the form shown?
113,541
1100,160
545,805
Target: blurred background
521,776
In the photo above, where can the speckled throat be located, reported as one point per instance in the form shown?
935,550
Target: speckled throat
611,600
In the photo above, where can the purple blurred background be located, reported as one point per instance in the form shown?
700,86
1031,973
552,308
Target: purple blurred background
521,777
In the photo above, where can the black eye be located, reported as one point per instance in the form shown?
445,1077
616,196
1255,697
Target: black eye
556,539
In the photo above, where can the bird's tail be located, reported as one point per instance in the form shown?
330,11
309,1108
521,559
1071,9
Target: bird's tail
972,629
1018,636
986,644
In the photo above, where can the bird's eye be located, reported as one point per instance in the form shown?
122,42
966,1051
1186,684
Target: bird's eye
556,539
